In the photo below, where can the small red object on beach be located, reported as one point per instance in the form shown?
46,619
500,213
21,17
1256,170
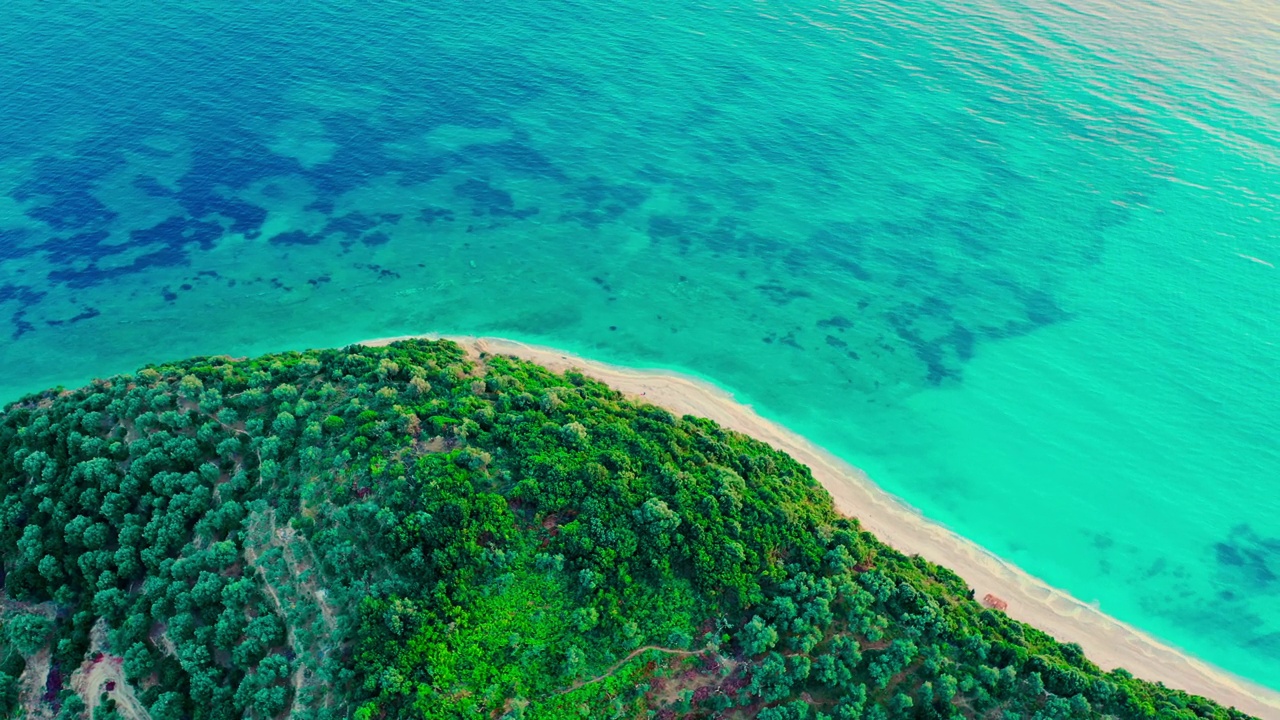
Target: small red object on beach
994,602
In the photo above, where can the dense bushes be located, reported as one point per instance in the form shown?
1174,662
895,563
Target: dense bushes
406,532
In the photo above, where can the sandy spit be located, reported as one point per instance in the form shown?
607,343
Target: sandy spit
1108,642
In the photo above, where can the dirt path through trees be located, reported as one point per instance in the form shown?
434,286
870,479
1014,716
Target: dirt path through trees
618,665
103,672
107,672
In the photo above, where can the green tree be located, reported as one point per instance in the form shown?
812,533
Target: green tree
29,632
757,636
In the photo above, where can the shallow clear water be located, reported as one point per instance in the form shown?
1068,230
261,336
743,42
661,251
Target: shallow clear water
1015,259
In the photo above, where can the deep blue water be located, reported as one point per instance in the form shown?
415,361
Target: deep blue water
1015,259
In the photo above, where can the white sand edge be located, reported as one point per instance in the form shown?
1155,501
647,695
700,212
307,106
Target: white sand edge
1108,642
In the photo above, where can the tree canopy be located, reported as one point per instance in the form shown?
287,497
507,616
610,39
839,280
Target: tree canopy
406,531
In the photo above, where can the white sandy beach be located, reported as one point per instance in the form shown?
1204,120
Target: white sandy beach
1107,641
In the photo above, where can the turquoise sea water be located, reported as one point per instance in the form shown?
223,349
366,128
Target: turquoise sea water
1015,259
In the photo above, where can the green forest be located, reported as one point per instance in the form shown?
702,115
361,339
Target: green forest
409,532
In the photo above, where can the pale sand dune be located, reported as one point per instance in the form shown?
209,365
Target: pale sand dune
1107,641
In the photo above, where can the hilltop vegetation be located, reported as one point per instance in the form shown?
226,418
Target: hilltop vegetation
408,532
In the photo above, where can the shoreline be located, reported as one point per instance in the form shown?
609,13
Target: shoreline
1107,642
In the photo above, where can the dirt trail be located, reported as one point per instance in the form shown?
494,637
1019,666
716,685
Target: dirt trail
32,682
287,540
326,610
616,666
34,677
251,556
102,672
108,669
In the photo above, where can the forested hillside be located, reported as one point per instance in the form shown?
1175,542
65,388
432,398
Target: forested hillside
406,532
